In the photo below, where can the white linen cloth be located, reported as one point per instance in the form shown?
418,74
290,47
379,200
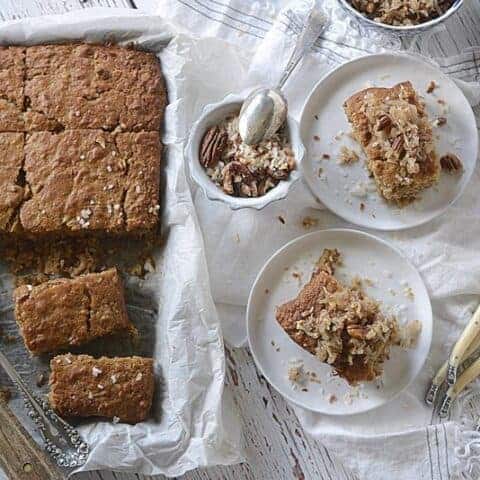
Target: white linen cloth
403,439
194,424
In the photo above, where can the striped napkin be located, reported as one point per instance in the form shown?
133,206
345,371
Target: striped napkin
404,439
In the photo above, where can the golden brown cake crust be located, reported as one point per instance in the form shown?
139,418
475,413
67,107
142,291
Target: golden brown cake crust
91,181
87,154
66,313
115,388
12,72
392,126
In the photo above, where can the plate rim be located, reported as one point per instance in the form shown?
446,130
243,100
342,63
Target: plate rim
357,220
249,321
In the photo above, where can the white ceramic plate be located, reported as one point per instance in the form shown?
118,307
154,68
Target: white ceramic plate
338,186
363,255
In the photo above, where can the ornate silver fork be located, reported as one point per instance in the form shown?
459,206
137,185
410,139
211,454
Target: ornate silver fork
62,442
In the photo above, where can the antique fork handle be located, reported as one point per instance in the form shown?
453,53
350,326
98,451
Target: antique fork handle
62,442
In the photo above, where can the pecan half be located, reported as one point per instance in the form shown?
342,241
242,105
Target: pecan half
384,122
213,145
451,163
239,181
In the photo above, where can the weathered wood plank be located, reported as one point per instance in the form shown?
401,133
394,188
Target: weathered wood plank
20,457
14,9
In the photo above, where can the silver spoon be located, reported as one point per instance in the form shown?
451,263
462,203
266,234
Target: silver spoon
62,442
265,109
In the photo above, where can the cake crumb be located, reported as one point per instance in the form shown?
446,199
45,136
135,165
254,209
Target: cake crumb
309,222
332,398
431,86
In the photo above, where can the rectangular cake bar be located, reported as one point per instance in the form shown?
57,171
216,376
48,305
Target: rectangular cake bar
116,388
65,313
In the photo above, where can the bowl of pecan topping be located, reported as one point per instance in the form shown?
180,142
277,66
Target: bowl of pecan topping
241,175
402,15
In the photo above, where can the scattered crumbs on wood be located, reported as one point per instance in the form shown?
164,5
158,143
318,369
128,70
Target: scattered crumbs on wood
281,219
315,117
316,138
309,222
431,86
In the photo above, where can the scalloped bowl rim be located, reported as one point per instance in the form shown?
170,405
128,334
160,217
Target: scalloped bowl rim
212,191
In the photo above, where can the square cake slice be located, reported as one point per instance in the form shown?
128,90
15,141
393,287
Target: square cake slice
339,324
117,388
393,128
65,313
83,86
91,181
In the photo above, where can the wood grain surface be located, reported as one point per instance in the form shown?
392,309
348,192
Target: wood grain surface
276,447
20,458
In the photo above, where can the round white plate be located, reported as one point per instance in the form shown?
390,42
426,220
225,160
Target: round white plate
363,255
338,186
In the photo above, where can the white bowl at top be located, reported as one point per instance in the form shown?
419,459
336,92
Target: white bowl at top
212,115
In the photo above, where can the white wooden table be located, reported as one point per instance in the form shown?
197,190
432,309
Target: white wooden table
276,446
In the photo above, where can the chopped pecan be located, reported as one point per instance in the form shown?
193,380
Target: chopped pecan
431,87
357,331
238,180
451,163
213,145
384,122
439,121
398,144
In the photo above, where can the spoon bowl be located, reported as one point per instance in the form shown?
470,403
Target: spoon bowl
262,114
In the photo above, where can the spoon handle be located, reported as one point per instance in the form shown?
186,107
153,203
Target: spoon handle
62,442
314,24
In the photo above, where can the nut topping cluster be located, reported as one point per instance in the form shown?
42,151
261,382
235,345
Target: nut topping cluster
243,170
402,12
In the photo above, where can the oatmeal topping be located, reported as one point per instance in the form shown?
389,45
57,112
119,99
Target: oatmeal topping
245,170
401,131
347,156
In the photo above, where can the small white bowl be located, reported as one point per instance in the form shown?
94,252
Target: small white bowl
212,115
399,29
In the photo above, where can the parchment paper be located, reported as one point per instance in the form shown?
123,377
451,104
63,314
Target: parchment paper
173,309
